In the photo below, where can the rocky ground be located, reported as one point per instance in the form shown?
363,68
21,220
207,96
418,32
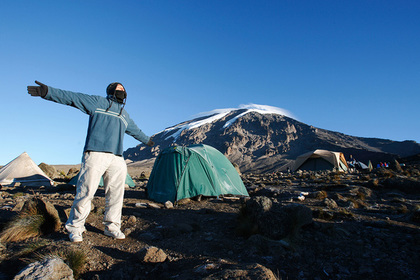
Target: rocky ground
293,226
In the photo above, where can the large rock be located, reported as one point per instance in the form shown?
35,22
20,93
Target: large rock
48,169
48,269
244,272
39,206
274,220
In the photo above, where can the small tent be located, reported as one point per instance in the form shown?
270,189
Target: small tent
184,172
321,160
128,181
23,170
361,166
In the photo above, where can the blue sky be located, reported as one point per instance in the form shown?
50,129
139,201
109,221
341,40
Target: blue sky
346,66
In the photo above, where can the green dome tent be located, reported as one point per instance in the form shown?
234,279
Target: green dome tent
184,172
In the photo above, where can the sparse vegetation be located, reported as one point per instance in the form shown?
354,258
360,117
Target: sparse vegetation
18,194
219,234
76,260
245,225
31,247
34,220
23,227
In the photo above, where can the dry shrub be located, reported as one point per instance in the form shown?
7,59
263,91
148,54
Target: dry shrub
356,203
32,247
361,195
22,227
416,214
335,177
375,182
345,212
18,194
75,259
35,219
245,225
321,195
402,209
366,178
387,173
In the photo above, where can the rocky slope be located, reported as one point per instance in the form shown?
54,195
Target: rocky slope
263,140
299,226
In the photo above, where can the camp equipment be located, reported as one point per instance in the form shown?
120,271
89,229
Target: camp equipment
321,160
183,172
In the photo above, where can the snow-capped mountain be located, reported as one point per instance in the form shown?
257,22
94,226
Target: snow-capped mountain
260,138
218,114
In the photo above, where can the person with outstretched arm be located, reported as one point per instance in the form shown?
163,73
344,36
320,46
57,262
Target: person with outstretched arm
102,154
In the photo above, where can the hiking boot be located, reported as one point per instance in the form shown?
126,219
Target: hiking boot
75,237
116,234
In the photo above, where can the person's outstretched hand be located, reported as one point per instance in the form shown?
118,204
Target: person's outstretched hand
40,90
150,143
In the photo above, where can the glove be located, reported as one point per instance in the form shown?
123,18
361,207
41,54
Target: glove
40,90
150,143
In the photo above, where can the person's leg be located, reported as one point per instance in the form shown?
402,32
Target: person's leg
93,167
114,182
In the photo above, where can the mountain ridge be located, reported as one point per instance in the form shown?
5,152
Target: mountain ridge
259,139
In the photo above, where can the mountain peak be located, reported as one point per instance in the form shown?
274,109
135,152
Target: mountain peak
217,114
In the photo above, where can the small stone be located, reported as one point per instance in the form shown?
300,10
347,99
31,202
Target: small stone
152,254
169,205
153,205
141,205
330,203
132,219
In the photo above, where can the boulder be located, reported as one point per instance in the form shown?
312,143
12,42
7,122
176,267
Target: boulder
47,269
244,272
49,170
274,220
52,219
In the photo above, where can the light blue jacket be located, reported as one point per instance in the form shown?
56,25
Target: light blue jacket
106,128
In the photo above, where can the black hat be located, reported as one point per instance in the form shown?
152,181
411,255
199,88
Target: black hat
110,89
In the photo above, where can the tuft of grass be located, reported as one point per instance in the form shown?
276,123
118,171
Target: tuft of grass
31,222
375,183
361,195
245,225
321,195
76,260
18,194
22,228
32,247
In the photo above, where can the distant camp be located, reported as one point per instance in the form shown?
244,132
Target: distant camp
321,160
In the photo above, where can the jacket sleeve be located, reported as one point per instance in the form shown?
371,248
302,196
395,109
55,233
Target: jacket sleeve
84,102
134,131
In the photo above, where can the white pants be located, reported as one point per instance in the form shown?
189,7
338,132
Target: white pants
94,166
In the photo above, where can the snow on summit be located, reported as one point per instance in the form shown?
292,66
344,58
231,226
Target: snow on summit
217,114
